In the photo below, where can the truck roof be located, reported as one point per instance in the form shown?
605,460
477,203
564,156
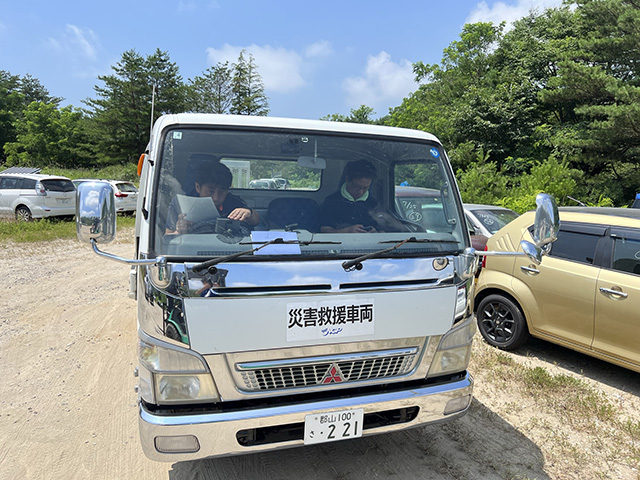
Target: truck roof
289,123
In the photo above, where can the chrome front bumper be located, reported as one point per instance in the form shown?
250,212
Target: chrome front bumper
216,432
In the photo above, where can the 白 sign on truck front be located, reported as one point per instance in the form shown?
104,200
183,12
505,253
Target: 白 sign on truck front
270,318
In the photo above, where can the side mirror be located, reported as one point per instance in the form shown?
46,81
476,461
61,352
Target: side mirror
545,228
95,212
545,231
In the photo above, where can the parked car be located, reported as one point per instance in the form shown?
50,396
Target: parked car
585,296
282,183
424,207
487,219
264,183
26,196
126,193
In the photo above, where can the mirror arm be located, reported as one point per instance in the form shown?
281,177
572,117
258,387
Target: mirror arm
159,261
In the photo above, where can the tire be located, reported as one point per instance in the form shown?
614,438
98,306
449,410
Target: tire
501,322
23,214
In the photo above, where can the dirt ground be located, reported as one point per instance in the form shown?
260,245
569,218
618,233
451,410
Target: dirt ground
68,408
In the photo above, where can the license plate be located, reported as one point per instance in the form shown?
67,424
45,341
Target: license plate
63,200
333,426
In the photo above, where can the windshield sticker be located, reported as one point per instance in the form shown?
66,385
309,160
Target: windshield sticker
331,320
434,152
177,135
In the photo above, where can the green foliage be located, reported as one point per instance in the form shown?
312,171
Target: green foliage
212,92
50,136
362,114
47,229
121,115
247,88
482,183
127,172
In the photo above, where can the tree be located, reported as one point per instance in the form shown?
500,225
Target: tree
362,114
16,94
121,114
48,136
247,88
212,92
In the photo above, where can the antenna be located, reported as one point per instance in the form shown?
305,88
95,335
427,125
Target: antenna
153,101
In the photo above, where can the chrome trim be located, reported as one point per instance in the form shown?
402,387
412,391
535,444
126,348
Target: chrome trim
326,359
355,370
216,432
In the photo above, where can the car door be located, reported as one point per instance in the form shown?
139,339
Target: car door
617,303
559,293
9,191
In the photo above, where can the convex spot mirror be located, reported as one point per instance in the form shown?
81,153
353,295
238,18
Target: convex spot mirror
95,212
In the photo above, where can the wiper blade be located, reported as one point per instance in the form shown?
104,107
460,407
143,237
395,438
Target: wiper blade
197,268
279,241
356,263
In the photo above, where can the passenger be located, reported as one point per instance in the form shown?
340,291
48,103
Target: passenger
213,180
351,209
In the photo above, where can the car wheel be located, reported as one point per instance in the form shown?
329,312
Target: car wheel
23,214
501,322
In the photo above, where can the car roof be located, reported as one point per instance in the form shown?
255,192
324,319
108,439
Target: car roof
35,176
610,211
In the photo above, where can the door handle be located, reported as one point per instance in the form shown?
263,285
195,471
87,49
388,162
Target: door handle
611,291
530,270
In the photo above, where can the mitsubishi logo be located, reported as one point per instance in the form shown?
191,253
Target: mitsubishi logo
333,375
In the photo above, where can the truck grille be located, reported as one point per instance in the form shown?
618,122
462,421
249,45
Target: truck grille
305,374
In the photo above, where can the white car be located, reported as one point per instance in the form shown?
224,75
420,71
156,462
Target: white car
126,193
26,196
487,219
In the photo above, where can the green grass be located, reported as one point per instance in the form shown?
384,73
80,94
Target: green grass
46,229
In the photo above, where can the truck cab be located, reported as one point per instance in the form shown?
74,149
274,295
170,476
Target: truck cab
271,335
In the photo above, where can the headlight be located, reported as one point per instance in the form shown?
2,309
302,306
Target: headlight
454,350
170,375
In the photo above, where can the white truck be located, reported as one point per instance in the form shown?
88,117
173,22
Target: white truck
258,337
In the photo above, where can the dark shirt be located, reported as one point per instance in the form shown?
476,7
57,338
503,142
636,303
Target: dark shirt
338,212
229,205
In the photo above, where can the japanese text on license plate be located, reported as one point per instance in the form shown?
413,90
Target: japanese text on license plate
333,426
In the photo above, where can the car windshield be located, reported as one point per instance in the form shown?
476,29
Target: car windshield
494,219
328,209
127,187
60,185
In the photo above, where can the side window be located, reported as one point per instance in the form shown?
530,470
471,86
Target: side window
28,183
8,183
626,255
575,246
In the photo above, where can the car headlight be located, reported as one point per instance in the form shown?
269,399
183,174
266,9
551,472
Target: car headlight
454,350
171,375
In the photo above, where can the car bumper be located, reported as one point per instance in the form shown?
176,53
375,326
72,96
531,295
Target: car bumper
216,432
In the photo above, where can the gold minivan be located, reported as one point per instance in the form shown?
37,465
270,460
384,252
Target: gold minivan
585,295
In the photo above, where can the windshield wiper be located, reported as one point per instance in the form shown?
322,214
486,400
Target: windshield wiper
356,263
199,267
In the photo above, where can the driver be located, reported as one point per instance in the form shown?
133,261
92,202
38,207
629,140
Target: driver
213,180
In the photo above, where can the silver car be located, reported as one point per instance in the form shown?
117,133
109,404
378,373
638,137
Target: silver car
487,219
26,196
126,193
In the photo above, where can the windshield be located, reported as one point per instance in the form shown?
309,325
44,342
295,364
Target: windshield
494,220
220,191
58,185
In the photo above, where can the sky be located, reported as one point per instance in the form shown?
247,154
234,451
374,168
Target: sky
315,58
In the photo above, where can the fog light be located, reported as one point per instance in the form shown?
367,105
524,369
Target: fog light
457,404
177,444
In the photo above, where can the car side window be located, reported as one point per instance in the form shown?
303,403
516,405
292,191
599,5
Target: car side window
8,183
28,183
626,255
575,246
